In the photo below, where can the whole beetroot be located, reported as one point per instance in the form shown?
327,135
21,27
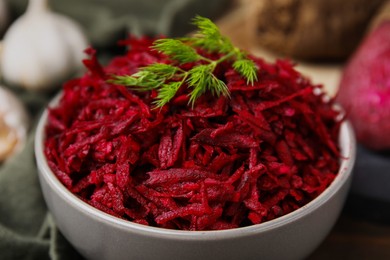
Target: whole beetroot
365,89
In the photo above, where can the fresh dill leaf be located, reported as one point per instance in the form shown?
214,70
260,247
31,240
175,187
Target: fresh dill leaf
141,81
163,70
176,50
199,79
246,68
199,76
124,80
167,79
195,94
209,37
202,79
206,27
218,87
147,78
166,93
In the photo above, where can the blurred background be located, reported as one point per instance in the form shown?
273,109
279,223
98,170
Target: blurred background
342,45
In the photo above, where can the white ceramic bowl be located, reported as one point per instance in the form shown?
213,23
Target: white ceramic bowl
97,235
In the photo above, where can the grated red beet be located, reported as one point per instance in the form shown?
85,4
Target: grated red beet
225,163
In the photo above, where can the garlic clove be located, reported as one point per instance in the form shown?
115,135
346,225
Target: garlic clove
41,49
14,124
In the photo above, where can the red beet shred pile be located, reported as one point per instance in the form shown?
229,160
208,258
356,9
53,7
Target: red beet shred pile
226,163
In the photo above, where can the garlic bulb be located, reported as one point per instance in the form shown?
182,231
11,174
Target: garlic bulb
41,48
13,124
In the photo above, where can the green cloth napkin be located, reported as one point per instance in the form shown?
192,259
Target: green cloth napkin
27,230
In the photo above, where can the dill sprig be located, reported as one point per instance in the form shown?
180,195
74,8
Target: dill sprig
176,50
245,68
167,79
209,37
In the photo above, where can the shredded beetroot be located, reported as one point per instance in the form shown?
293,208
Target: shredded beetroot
225,163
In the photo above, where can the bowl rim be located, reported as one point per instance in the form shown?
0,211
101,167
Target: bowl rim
347,143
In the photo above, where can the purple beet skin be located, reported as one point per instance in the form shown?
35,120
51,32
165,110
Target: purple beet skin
365,89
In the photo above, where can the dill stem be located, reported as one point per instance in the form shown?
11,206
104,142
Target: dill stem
213,63
206,59
227,56
183,80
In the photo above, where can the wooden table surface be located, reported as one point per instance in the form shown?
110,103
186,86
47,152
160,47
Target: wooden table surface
363,229
361,232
